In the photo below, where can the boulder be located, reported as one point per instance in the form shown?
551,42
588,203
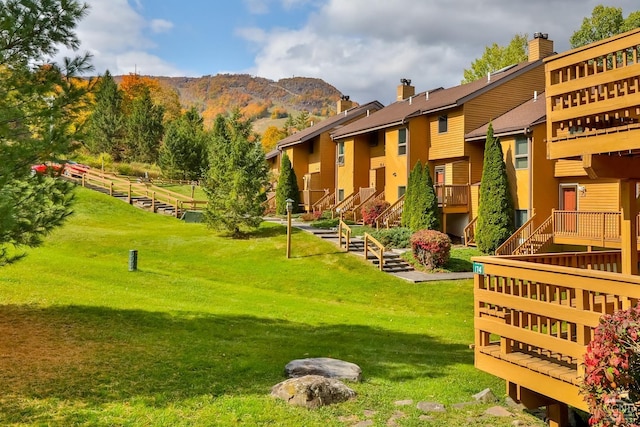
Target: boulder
312,391
325,367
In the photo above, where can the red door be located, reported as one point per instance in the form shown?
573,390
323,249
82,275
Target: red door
570,203
439,178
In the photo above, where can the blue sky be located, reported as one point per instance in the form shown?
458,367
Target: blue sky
362,47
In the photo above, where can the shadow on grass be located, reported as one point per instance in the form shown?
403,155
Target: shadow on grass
99,355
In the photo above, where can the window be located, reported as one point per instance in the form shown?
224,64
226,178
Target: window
522,216
401,190
443,124
341,153
522,152
311,147
402,141
340,194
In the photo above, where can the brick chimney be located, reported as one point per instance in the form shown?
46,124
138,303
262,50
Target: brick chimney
405,90
343,104
540,47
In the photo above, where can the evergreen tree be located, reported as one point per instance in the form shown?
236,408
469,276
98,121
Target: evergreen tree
287,187
106,123
410,196
144,129
495,211
237,177
184,150
425,214
41,105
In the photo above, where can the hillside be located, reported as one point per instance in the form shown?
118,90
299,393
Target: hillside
262,99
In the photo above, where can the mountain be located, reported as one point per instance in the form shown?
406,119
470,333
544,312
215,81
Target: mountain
266,101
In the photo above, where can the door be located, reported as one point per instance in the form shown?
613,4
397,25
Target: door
439,183
569,202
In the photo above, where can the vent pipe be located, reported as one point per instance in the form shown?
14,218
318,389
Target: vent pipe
488,77
426,95
535,95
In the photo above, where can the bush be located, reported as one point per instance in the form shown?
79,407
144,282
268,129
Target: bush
612,370
397,237
372,210
311,216
431,248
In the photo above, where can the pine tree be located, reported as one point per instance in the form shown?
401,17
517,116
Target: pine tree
41,109
287,187
425,215
106,123
237,177
144,129
183,154
495,211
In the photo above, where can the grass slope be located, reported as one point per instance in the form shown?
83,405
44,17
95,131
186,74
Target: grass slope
200,333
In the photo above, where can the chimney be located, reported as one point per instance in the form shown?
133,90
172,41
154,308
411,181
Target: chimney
343,104
405,90
540,47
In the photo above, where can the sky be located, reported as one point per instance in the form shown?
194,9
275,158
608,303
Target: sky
361,47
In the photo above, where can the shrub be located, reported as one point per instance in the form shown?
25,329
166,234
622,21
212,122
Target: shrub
612,370
372,210
431,248
311,216
397,237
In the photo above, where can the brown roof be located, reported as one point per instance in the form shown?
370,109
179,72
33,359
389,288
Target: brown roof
328,124
431,101
271,154
514,121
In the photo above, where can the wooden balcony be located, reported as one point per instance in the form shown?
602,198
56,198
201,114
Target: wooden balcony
453,198
534,316
588,228
593,98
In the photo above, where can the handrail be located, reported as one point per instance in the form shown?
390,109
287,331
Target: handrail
269,205
325,201
344,231
357,210
519,236
340,205
538,240
393,212
452,194
377,250
470,232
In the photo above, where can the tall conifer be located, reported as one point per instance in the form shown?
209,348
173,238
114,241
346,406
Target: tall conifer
287,187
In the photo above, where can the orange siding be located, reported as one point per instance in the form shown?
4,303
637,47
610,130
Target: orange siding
396,166
450,144
544,182
566,168
418,140
299,156
327,162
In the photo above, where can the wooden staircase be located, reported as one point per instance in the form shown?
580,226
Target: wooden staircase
539,240
350,205
392,216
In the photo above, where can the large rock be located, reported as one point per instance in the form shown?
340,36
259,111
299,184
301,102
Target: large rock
325,367
312,391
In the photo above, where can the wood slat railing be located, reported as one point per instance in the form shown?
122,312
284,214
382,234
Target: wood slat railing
311,197
598,226
533,319
470,233
372,245
325,202
452,195
539,240
517,238
391,216
341,205
368,196
344,231
269,205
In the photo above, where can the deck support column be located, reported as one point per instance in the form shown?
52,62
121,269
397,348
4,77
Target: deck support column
628,228
558,414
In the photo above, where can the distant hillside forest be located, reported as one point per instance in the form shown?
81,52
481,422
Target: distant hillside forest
262,100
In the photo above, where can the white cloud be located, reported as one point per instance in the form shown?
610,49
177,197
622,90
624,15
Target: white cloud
257,7
363,47
161,26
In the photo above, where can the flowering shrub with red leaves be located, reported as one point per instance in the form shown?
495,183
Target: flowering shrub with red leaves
612,371
372,210
431,248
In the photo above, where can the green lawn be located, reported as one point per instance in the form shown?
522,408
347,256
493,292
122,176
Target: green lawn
203,330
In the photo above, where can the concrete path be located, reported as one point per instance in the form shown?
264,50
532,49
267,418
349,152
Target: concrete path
410,276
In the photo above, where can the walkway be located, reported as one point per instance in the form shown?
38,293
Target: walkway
413,276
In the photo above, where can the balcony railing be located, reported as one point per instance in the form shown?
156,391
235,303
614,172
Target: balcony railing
594,228
534,316
452,195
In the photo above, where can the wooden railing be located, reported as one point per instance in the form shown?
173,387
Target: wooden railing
132,190
269,205
349,204
534,320
597,226
344,231
539,240
391,215
470,232
326,202
452,195
517,238
599,260
357,210
311,197
375,247
341,205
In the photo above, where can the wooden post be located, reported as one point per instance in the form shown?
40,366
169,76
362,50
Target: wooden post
629,230
558,414
288,233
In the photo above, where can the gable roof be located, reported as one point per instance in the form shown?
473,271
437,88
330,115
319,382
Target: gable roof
432,101
515,121
328,124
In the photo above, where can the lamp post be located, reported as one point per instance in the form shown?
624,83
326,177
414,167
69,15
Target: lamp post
289,209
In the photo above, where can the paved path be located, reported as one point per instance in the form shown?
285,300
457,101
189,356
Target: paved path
410,276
